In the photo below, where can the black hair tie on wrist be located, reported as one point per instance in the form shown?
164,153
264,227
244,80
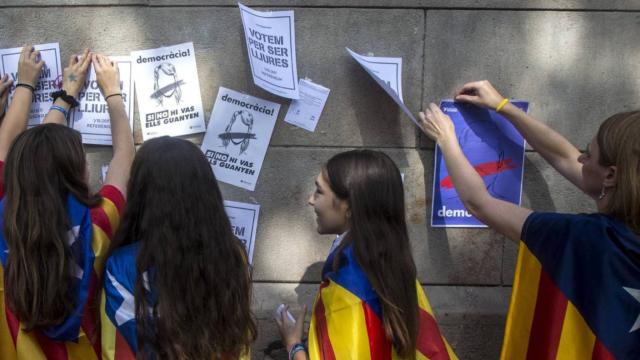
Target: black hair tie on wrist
116,94
64,96
26,86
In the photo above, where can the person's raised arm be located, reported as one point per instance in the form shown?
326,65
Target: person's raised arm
15,120
500,215
73,77
108,78
5,89
553,147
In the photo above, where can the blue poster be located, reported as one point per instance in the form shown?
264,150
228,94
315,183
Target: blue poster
494,148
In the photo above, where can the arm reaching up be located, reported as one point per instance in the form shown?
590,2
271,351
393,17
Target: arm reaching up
73,78
108,78
15,120
555,148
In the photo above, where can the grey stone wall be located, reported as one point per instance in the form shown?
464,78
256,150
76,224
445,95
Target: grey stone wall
575,60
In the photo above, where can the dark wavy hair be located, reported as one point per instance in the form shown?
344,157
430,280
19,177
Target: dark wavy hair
199,273
371,184
43,166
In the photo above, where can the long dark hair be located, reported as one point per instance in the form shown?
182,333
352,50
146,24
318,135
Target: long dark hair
43,166
371,184
197,268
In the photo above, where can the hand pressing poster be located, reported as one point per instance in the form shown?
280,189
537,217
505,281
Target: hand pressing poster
494,148
238,136
244,223
387,72
91,118
50,77
271,44
168,91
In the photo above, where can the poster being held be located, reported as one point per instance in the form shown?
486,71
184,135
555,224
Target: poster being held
91,117
244,223
271,45
387,72
238,136
168,91
49,78
494,148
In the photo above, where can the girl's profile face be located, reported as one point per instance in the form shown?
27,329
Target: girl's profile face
331,212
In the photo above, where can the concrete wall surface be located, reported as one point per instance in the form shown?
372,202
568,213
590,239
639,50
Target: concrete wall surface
575,60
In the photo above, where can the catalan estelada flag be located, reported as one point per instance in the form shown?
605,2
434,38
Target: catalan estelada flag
346,322
78,336
576,292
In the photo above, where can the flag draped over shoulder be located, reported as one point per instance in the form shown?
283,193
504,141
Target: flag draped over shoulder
77,337
346,322
576,292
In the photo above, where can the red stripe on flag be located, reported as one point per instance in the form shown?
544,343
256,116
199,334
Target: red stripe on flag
54,350
12,322
100,218
112,193
600,352
89,321
123,350
324,343
548,319
379,345
429,342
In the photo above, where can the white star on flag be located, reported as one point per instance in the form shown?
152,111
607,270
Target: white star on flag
126,311
636,295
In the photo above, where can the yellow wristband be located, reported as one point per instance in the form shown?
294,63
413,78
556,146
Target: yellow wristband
502,104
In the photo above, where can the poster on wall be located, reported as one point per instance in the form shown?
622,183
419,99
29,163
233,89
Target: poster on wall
91,117
50,78
244,223
271,45
168,91
238,136
387,72
305,111
494,148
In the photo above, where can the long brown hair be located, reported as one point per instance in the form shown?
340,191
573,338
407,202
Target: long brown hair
198,272
43,166
619,142
371,184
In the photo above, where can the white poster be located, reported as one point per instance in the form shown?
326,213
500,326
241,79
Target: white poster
271,45
168,91
305,112
244,223
238,136
50,77
387,72
91,118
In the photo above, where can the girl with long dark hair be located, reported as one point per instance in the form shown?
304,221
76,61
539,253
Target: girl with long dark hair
370,304
55,232
177,285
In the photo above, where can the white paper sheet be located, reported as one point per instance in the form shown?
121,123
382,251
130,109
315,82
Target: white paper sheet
244,223
387,72
50,76
305,112
238,136
168,91
91,118
271,45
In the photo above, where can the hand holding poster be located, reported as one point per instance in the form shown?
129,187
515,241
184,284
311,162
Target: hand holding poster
91,118
271,44
244,223
238,136
168,91
387,72
49,77
494,148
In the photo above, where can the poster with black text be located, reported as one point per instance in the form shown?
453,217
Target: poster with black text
238,136
168,91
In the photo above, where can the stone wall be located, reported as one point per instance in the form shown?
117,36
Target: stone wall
575,60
